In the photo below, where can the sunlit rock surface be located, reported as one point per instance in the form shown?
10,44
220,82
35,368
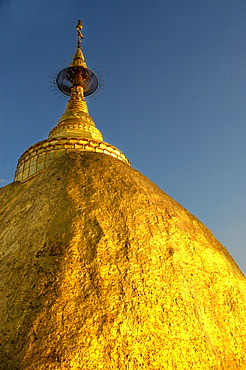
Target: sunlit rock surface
102,270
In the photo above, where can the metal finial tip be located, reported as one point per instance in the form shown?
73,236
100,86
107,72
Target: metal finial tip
79,25
80,36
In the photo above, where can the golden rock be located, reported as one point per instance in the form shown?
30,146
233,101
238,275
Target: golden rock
102,270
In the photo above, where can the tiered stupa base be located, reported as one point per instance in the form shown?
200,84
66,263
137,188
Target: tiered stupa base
40,155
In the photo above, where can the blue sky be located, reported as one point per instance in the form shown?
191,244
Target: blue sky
173,101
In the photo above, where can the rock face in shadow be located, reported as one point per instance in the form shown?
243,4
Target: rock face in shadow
102,270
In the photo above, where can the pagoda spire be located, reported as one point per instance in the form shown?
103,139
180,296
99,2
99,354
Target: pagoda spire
79,59
77,81
76,130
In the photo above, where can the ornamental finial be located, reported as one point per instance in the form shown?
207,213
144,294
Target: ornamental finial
80,36
77,74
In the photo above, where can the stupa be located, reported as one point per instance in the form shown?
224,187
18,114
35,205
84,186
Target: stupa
100,269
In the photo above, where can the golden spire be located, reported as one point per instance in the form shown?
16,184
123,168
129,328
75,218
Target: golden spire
76,121
76,130
79,59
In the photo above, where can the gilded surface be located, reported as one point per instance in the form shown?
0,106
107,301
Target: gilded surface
102,270
39,156
75,131
78,59
76,121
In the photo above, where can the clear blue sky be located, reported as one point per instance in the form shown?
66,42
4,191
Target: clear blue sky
174,96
